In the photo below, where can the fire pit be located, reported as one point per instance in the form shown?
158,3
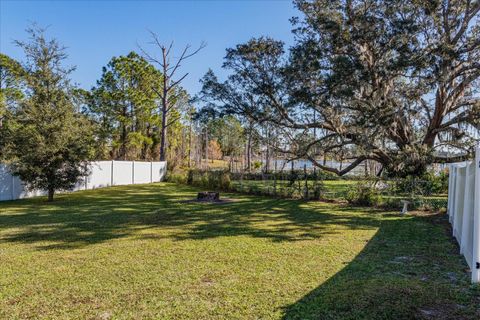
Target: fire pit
208,196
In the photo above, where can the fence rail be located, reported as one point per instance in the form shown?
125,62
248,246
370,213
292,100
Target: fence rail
464,210
102,174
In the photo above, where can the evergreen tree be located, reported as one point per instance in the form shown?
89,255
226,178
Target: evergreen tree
11,85
47,141
123,106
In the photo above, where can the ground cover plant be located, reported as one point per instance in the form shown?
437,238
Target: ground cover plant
144,252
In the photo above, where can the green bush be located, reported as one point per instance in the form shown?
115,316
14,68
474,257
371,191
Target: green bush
391,203
215,180
436,183
177,177
326,175
318,190
363,194
426,184
257,165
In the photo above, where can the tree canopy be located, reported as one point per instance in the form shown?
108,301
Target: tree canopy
46,141
391,81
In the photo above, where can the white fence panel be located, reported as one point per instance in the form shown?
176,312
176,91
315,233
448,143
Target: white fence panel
159,169
103,174
466,242
122,173
459,198
6,184
464,210
142,172
100,176
476,222
12,188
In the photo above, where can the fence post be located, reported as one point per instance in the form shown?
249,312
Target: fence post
151,171
468,200
133,172
111,173
459,203
476,221
450,184
453,186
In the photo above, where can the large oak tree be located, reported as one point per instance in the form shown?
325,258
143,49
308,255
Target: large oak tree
391,81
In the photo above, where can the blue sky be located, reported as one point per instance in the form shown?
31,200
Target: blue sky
95,31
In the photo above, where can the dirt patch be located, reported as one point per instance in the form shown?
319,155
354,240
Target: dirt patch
220,201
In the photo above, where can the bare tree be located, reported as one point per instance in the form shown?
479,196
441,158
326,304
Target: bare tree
168,93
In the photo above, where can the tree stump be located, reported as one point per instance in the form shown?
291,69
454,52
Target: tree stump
208,196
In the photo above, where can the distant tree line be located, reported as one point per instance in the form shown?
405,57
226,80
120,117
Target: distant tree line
50,128
393,82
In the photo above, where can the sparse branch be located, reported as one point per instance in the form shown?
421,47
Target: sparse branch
169,67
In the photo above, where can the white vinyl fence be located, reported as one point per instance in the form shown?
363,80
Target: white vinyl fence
464,210
102,174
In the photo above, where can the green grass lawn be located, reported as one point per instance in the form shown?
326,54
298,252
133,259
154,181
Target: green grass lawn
141,252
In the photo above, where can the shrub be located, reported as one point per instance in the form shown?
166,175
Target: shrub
391,203
426,184
215,180
363,194
177,177
326,175
436,183
257,165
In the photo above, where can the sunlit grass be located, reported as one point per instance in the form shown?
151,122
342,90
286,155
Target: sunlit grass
142,252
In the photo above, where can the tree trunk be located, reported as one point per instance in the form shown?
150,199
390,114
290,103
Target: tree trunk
206,149
123,146
164,110
51,192
163,133
190,145
267,151
249,152
437,118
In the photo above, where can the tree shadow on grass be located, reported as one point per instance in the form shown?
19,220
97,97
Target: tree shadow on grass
408,270
158,211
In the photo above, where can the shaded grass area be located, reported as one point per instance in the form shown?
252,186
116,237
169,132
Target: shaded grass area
142,252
